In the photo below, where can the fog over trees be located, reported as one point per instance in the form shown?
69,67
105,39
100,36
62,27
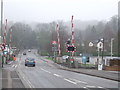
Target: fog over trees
41,35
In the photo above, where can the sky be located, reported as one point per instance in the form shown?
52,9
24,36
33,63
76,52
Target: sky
52,10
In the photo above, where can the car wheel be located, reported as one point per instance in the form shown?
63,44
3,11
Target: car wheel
25,64
33,65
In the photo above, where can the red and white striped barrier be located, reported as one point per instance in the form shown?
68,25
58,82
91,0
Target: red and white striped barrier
58,37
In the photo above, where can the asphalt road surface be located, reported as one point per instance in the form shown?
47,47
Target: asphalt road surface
0,78
46,75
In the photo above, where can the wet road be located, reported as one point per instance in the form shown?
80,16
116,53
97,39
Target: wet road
46,75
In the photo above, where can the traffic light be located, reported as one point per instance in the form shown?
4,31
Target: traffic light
71,48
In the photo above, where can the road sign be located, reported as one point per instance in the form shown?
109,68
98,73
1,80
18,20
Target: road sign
71,48
90,44
54,42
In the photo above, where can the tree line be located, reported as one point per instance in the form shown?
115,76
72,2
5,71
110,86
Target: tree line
42,35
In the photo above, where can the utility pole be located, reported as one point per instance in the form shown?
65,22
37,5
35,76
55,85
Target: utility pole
2,26
103,49
112,46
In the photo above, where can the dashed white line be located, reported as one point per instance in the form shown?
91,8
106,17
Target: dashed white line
78,81
90,86
45,70
70,81
57,75
100,87
13,66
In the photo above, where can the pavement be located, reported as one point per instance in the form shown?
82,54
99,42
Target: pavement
9,77
111,75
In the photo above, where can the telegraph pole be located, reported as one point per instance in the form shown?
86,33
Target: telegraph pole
103,49
112,46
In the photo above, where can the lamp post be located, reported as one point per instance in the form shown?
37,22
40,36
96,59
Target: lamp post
102,48
112,46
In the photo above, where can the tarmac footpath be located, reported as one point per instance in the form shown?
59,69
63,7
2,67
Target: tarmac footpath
10,78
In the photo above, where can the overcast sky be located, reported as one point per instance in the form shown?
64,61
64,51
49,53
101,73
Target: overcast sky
52,10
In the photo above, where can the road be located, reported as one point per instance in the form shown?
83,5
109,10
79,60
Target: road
46,75
0,78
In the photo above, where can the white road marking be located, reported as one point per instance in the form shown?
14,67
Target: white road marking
28,82
45,70
90,86
86,88
57,75
13,66
78,81
70,81
100,87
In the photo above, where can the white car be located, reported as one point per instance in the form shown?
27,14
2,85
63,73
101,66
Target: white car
29,50
65,57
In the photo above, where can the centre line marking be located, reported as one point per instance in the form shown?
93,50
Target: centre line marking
78,81
100,87
70,81
57,75
45,70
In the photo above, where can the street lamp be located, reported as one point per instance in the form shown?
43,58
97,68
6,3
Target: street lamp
112,46
102,48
